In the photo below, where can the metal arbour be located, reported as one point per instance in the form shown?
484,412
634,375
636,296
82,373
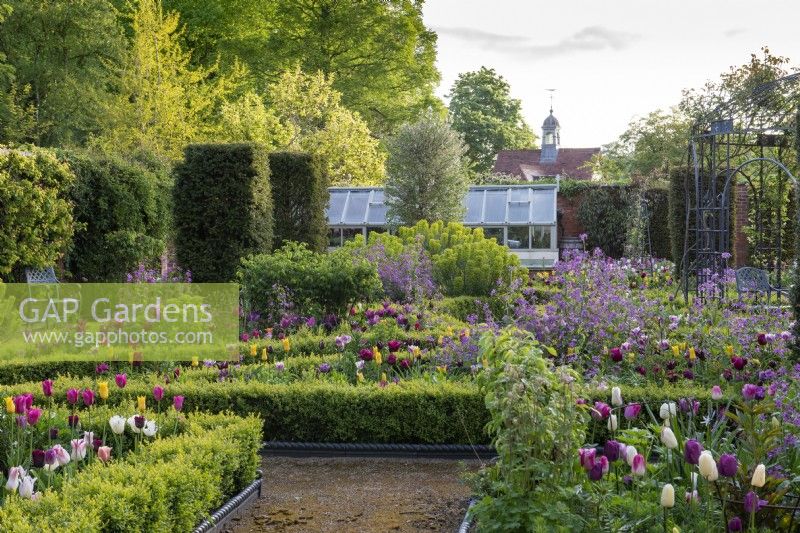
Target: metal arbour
754,136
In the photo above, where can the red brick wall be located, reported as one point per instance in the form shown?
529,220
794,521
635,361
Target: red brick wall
568,225
741,201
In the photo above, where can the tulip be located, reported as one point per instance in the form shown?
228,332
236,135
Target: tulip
752,503
104,453
601,410
630,453
121,380
616,397
638,467
117,424
667,410
285,344
668,496
735,525
692,497
752,392
587,456
728,465
14,475
72,396
47,387
61,455
716,393
596,472
177,402
149,428
32,416
738,362
88,397
10,407
102,389
73,420
132,423
668,438
37,458
279,366
50,461
88,438
139,421
612,422
616,354
759,476
78,449
632,410
141,403
611,450
394,345
26,486
761,339
707,466
158,393
53,433
691,451
195,361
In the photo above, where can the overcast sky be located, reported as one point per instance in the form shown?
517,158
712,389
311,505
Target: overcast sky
609,60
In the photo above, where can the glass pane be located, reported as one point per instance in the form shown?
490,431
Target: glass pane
544,207
541,237
496,233
474,205
518,237
336,206
334,237
377,214
356,207
350,233
495,206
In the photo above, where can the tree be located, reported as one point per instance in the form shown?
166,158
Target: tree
482,110
427,178
61,52
306,114
163,103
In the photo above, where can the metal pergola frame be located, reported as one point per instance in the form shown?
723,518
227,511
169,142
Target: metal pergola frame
751,135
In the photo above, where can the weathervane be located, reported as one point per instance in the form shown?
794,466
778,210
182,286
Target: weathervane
551,91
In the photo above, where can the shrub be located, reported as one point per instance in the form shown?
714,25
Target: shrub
317,283
222,208
678,187
35,212
604,214
300,194
124,215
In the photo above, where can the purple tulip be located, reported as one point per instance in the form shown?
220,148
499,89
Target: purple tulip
752,392
72,396
761,339
158,393
735,524
394,345
47,387
53,433
596,471
138,421
33,415
611,450
752,503
121,380
177,402
616,354
37,457
88,397
728,465
601,410
365,354
738,362
586,456
73,420
23,402
391,359
632,410
691,451
102,368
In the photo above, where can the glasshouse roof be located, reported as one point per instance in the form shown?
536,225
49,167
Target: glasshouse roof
491,205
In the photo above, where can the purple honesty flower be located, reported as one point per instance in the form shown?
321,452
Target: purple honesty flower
324,368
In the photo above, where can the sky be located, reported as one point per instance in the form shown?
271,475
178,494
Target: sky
609,61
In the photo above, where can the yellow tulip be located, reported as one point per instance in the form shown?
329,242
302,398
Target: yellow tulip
676,350
102,389
378,357
195,361
442,368
253,350
264,355
729,350
692,354
383,376
285,343
360,377
417,352
10,408
141,402
683,346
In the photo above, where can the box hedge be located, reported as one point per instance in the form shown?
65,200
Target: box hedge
300,192
222,208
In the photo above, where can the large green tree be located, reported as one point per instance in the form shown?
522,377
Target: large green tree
60,51
482,110
427,179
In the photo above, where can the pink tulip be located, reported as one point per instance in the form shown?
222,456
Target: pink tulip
158,392
121,380
88,397
177,402
72,396
638,466
33,415
633,410
104,453
47,387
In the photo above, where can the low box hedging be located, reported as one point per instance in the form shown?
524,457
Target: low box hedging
169,485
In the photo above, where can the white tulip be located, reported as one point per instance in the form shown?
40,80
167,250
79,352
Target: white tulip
667,410
132,424
612,423
117,424
149,428
26,487
616,397
759,476
14,475
707,466
78,449
630,453
88,438
668,496
668,438
62,456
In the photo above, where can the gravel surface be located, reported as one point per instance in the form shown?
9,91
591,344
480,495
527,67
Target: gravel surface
363,494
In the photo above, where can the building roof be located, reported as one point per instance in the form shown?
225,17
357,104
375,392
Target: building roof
526,163
486,205
550,121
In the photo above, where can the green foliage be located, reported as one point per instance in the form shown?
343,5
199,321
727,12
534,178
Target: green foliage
427,179
483,112
63,54
35,212
222,208
168,485
317,283
123,211
461,307
604,213
300,195
679,187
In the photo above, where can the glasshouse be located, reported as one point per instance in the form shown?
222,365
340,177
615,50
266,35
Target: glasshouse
523,217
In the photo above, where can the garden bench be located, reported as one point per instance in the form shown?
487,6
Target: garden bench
751,280
35,276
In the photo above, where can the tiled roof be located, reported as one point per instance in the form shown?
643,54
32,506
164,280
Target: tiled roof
526,165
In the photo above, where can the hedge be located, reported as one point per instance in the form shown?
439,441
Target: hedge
300,192
168,485
123,212
222,208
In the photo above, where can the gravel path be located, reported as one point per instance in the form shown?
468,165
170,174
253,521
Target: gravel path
359,494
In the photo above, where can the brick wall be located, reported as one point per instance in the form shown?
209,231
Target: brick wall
568,225
741,206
